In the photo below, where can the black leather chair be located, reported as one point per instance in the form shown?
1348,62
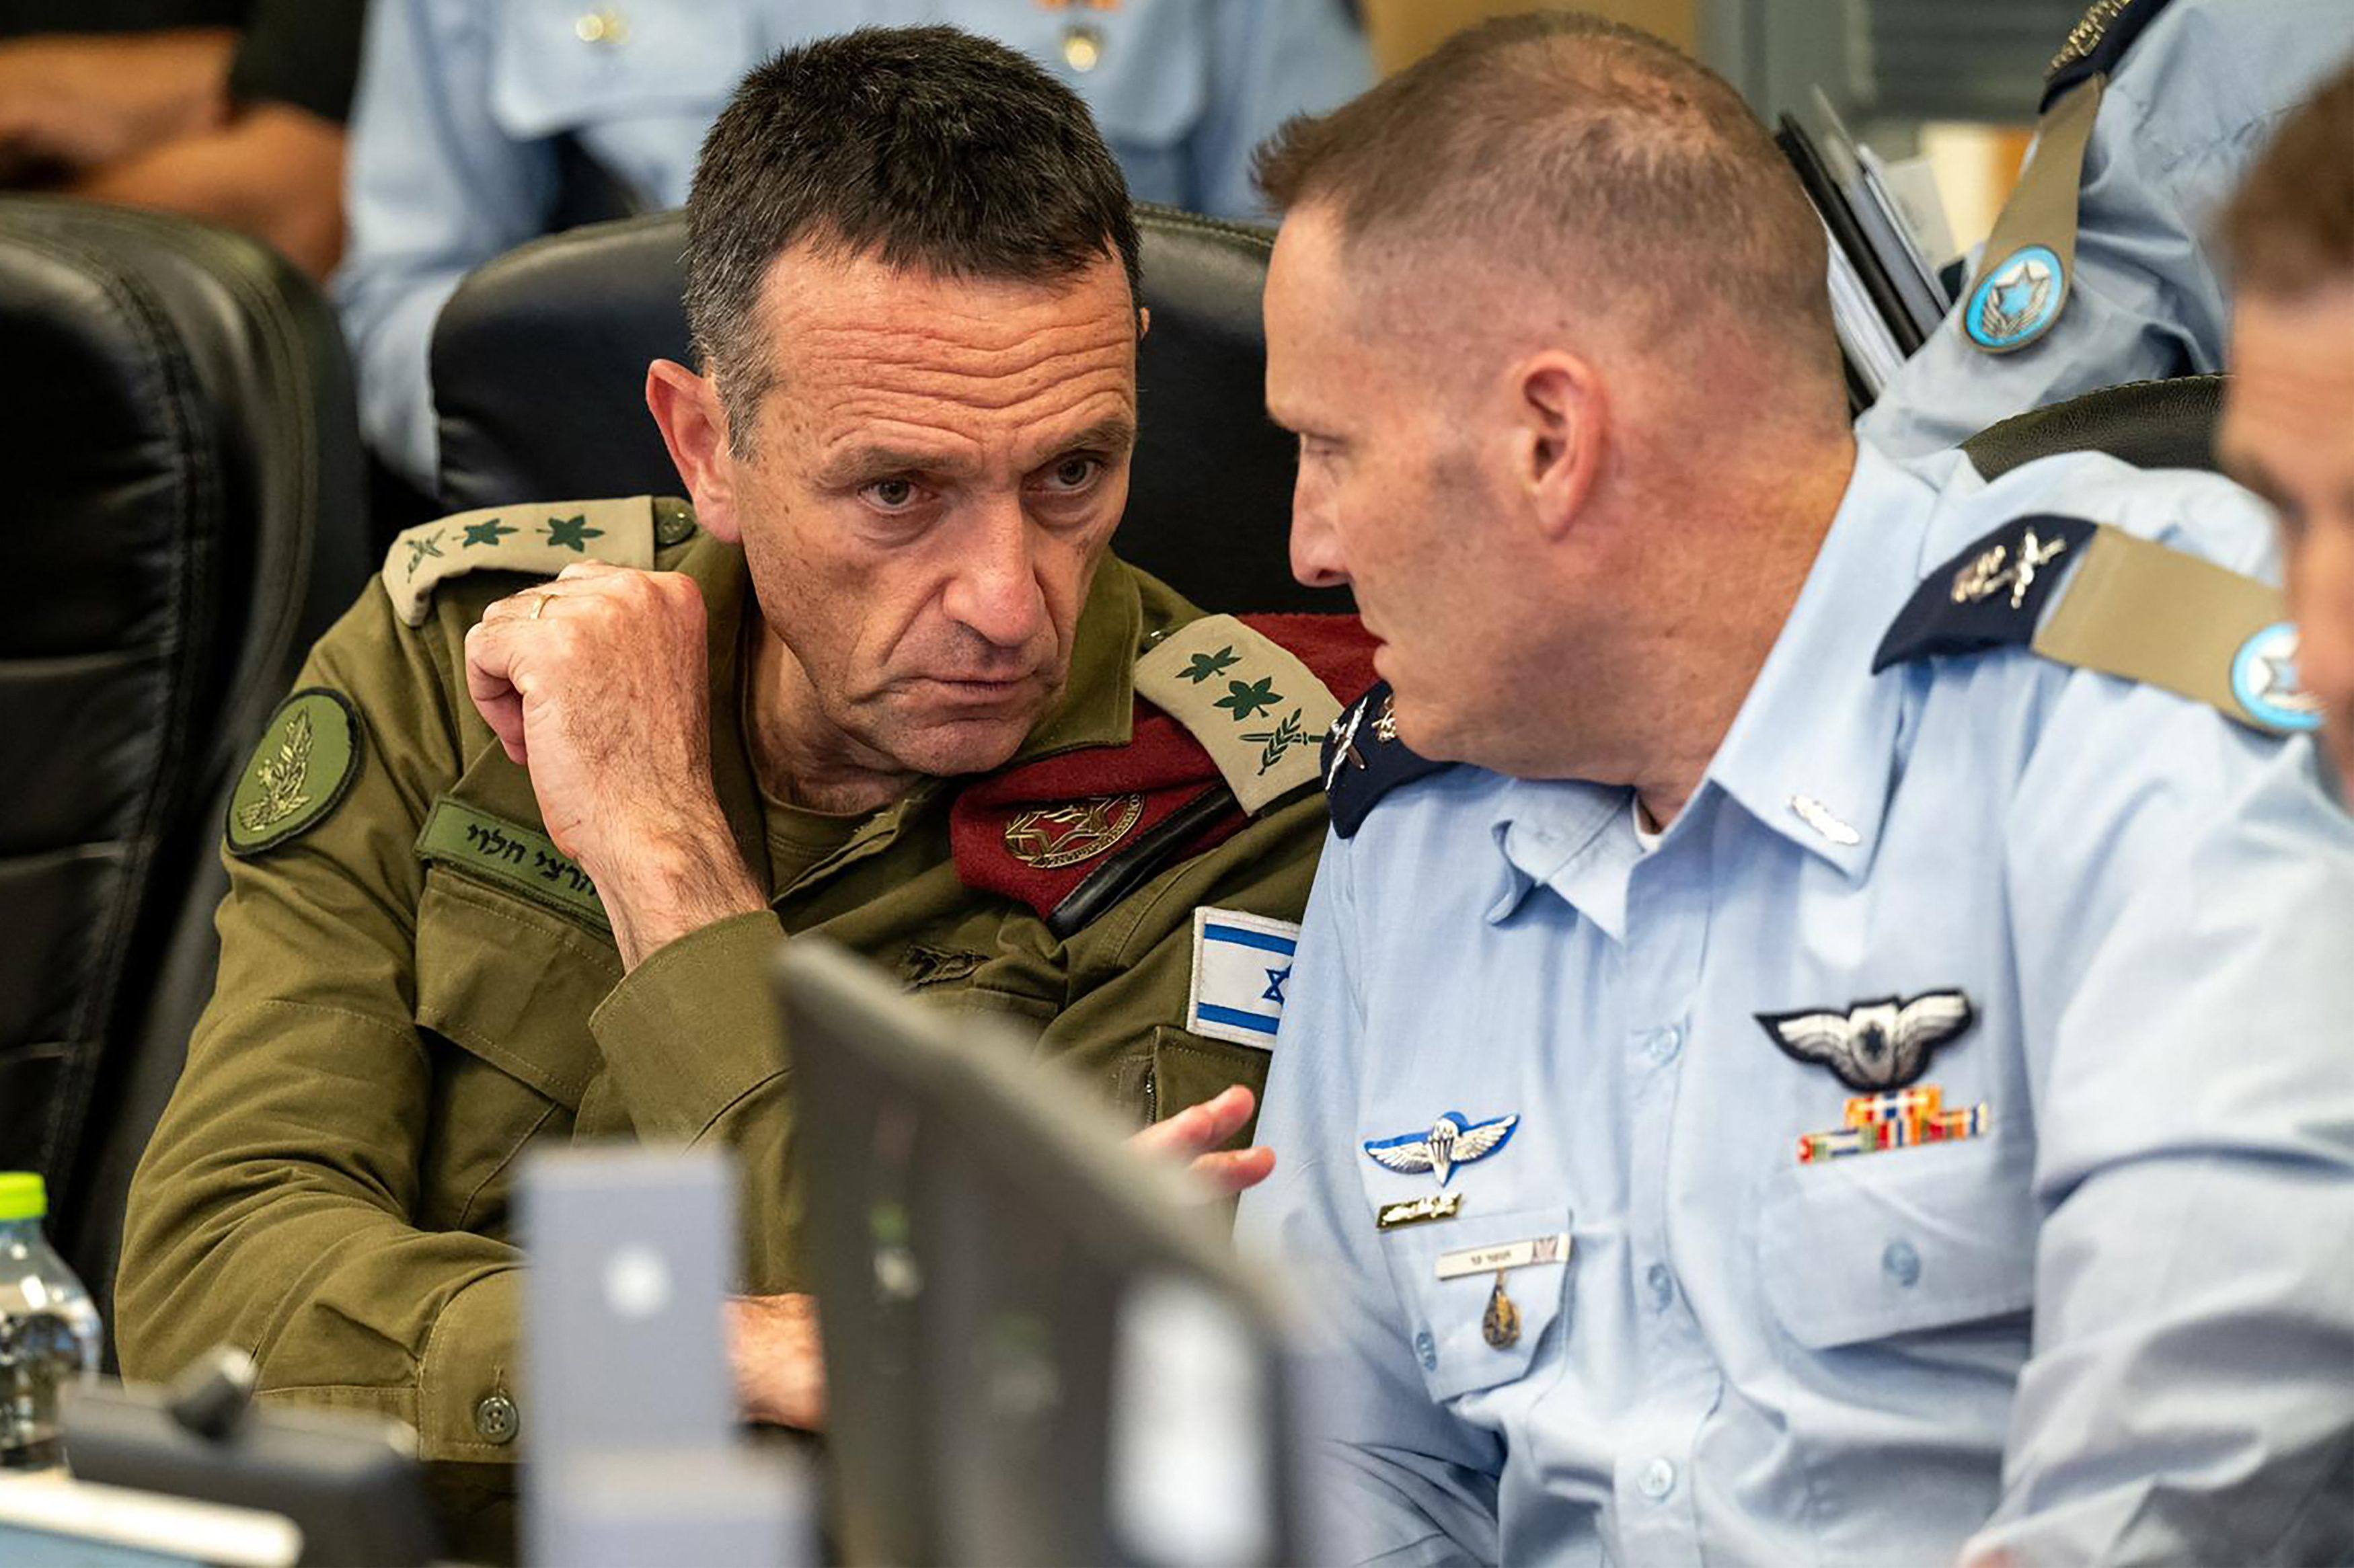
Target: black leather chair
540,365
2150,424
184,517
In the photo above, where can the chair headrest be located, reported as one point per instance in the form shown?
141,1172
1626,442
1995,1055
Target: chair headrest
2150,424
539,364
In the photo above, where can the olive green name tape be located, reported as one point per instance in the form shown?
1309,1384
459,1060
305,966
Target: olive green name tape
1259,712
2148,613
510,855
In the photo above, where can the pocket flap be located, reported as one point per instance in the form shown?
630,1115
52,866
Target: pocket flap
1447,1330
560,65
1901,1241
511,983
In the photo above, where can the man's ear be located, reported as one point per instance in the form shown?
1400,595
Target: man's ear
1563,430
694,423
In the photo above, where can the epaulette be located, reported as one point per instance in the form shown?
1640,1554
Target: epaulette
2030,259
2097,43
542,539
1226,718
2133,609
1364,760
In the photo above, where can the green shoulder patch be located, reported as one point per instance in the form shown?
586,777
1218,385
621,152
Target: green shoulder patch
309,755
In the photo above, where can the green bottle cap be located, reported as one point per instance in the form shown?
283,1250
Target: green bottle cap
22,1196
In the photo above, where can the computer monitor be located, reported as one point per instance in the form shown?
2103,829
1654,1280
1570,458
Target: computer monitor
1039,1348
349,1484
52,1521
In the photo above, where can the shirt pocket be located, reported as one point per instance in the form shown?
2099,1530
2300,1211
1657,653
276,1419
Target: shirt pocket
512,985
546,79
1900,1242
1149,74
1184,1069
1446,1315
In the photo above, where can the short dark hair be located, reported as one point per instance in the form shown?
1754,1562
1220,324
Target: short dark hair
926,147
2290,228
1560,135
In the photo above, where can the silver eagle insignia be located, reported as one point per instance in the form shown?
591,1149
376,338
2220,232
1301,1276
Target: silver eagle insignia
1452,1141
1881,1044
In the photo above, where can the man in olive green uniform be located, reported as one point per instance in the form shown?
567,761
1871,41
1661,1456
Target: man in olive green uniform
509,862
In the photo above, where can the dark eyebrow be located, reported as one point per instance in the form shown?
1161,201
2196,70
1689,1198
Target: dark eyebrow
863,465
1116,435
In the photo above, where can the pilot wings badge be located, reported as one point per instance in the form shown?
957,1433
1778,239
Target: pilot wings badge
1883,1045
1452,1141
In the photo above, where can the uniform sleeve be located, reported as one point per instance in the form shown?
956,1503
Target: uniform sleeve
696,1051
275,1206
1392,1477
435,189
1271,62
2190,1020
2144,303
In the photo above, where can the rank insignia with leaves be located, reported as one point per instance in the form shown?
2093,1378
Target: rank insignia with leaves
489,531
572,533
1245,700
1206,665
419,547
1275,744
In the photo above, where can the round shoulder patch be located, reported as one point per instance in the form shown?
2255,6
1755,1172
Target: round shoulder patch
2016,300
2263,677
309,755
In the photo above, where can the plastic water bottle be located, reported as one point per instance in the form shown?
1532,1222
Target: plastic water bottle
48,1329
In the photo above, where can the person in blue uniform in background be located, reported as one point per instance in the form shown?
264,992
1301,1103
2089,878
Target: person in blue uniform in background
479,127
2288,421
1822,1031
2198,88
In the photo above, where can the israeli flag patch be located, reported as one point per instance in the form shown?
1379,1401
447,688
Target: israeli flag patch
1241,965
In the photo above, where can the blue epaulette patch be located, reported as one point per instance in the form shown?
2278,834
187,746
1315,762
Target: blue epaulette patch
1989,596
1364,759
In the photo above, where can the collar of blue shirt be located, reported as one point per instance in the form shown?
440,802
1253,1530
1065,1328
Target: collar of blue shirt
1811,754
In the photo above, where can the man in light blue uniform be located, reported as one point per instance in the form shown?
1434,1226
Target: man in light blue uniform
2195,97
478,125
1829,1075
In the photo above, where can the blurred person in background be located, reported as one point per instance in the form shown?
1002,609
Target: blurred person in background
480,127
2288,420
228,111
2200,86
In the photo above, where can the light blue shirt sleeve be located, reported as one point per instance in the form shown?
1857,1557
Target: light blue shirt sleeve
1394,1478
2194,104
434,187
2183,933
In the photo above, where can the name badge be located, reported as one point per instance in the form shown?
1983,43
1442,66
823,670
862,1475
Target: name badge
1510,1254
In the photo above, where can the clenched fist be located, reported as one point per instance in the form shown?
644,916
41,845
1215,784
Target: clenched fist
598,685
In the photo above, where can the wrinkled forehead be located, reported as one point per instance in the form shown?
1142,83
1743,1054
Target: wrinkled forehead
851,341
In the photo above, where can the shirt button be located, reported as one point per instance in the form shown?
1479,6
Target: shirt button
495,1418
1902,1264
1659,1479
1663,1043
1663,1285
1428,1348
